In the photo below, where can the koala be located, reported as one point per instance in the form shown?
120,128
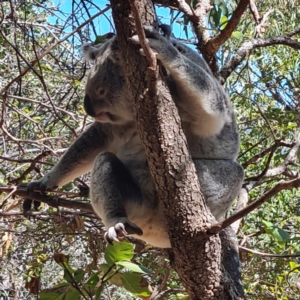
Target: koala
122,191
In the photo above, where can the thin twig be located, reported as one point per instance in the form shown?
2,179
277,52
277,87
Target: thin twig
282,185
53,201
33,62
268,254
247,46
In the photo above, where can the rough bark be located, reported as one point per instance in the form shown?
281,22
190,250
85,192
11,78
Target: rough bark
195,255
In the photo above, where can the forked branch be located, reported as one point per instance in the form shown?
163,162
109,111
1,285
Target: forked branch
282,185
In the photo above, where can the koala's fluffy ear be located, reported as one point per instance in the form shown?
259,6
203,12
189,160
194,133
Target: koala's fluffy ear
91,51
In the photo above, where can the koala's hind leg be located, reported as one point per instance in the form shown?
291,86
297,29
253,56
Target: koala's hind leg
220,181
112,187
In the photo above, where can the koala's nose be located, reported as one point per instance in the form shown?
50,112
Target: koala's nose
87,103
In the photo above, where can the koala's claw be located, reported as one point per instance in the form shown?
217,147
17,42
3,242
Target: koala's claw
135,39
150,32
35,186
115,232
120,230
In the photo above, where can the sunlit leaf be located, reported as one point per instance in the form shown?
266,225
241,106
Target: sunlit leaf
280,234
237,35
133,267
136,284
118,251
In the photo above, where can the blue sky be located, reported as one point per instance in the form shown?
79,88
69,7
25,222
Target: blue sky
103,23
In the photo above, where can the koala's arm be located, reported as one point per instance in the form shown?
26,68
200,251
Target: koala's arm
201,100
78,159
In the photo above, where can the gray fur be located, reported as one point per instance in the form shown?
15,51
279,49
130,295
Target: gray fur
122,190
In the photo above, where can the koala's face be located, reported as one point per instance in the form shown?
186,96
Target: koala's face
106,96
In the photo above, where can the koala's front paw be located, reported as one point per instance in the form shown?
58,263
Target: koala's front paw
41,185
151,33
162,46
120,230
30,187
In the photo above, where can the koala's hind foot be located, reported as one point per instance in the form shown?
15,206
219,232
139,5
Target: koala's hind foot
112,191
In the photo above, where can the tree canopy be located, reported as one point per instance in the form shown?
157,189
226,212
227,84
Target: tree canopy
57,251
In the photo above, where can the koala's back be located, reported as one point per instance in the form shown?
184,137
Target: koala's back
127,144
224,145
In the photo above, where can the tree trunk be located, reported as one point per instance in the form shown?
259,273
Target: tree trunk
195,255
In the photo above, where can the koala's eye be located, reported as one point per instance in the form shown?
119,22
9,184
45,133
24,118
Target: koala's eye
101,92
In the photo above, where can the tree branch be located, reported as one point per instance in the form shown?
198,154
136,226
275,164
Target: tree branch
267,254
53,201
214,43
290,158
173,4
247,46
47,51
260,21
282,185
256,157
282,168
254,11
172,169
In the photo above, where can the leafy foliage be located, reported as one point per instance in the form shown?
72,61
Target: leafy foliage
41,92
76,285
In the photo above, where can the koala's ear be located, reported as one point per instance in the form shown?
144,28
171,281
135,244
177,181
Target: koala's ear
167,31
92,50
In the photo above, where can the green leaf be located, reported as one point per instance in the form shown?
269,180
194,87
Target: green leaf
136,284
291,125
224,22
237,35
279,234
78,274
133,267
92,281
267,224
112,276
72,294
116,279
68,276
99,292
293,265
215,17
181,296
44,295
118,252
104,268
62,291
100,39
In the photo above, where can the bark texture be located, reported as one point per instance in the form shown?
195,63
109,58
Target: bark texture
195,255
